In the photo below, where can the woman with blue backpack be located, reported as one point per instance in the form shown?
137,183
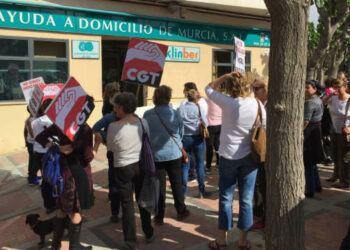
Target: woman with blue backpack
76,192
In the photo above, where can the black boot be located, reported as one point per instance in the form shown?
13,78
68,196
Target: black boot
74,237
58,230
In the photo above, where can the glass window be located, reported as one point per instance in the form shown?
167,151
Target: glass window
223,62
51,71
50,49
11,74
24,59
13,47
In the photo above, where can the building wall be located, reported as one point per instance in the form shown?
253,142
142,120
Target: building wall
87,71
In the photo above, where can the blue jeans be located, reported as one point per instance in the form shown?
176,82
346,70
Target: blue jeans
194,144
230,171
312,179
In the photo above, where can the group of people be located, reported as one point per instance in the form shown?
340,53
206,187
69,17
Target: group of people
326,118
229,118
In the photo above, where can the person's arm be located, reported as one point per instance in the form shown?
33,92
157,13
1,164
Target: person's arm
326,98
203,116
100,125
29,128
308,111
217,82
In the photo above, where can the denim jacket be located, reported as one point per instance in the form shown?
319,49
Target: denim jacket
163,146
101,126
191,118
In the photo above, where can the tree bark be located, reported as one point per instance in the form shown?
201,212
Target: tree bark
284,162
330,25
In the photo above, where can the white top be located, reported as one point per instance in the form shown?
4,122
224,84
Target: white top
39,125
337,110
125,141
238,118
29,139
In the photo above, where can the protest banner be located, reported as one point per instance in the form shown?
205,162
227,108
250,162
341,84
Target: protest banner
144,62
239,56
28,87
35,100
50,90
71,108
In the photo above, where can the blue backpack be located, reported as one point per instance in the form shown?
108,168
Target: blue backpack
51,170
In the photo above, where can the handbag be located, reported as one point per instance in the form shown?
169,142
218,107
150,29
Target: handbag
146,158
203,130
258,141
184,154
347,136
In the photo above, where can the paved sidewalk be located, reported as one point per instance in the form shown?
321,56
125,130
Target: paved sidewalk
327,215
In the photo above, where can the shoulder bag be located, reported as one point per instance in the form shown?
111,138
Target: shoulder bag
184,154
203,130
258,142
146,159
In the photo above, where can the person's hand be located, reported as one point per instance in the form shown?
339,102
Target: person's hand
66,149
98,138
49,144
94,152
346,130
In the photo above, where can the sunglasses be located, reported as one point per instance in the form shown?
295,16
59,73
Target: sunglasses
257,88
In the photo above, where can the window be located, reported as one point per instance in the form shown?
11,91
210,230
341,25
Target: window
223,62
24,59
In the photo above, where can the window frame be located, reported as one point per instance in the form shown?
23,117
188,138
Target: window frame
230,64
31,58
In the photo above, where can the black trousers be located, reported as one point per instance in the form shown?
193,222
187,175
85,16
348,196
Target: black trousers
46,188
127,178
174,170
260,193
213,142
31,170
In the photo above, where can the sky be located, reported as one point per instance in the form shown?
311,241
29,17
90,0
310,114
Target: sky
313,15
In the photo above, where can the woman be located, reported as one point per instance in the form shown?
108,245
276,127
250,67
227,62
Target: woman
109,92
313,150
165,126
124,139
77,192
239,112
192,116
337,101
214,127
260,91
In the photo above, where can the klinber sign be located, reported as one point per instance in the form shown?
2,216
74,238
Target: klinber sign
71,108
144,62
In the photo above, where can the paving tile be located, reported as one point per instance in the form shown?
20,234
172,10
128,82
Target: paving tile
326,231
14,201
19,158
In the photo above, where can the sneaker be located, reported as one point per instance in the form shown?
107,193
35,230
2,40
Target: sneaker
340,185
34,182
158,221
259,225
151,239
204,194
114,218
183,215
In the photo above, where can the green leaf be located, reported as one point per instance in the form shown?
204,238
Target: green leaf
320,3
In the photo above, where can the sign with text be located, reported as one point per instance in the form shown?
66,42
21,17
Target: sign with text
144,62
28,87
50,90
35,100
85,49
239,55
182,54
71,108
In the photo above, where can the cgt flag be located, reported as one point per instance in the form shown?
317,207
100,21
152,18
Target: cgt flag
71,108
144,62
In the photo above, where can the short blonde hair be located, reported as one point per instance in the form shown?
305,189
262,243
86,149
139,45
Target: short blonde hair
192,95
238,84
